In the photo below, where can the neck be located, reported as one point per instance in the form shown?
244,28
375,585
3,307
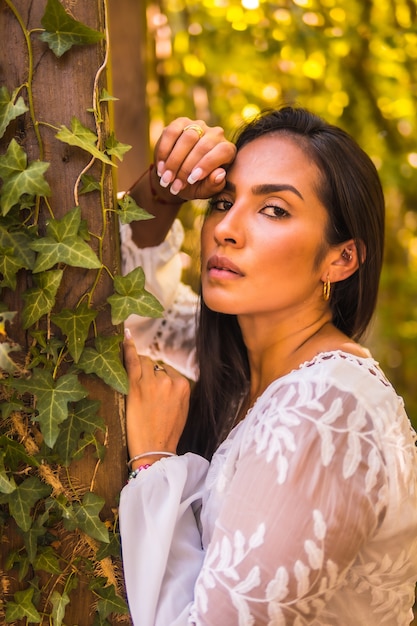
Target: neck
275,350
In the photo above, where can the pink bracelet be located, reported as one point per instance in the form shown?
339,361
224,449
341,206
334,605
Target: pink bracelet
137,470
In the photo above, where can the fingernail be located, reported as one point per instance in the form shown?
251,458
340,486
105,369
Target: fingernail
128,334
220,177
194,176
176,187
165,179
159,168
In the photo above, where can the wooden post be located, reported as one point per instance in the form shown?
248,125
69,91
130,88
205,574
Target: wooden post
63,88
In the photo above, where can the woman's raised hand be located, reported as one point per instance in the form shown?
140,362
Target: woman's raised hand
191,157
157,405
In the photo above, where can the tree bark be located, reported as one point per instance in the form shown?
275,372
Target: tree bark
63,88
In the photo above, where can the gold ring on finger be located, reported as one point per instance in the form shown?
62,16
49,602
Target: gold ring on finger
195,127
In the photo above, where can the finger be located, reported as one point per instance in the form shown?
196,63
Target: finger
131,357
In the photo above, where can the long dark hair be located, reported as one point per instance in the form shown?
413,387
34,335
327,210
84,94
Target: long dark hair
350,190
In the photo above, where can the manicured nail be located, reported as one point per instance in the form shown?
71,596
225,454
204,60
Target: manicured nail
159,168
194,176
165,179
220,177
176,187
128,334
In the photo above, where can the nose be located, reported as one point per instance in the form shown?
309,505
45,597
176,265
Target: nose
230,228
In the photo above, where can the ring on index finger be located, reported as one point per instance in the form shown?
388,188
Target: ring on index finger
158,368
195,127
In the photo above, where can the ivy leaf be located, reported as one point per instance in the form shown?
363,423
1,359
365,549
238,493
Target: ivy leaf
63,31
23,607
40,300
87,518
116,148
52,400
106,97
6,363
63,244
47,561
24,497
110,602
9,109
132,297
59,604
20,179
15,453
75,325
104,361
82,419
7,485
84,138
130,211
15,254
89,183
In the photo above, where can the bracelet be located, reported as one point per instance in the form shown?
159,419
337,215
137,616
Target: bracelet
137,470
145,454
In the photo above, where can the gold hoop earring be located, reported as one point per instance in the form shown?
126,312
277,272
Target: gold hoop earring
326,289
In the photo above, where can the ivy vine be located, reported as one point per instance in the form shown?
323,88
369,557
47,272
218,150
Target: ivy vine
47,418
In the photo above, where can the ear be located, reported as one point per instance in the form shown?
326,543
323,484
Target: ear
345,260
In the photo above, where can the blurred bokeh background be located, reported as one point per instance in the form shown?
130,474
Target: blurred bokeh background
352,61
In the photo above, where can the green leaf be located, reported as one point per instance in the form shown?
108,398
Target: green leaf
20,179
82,419
89,183
9,109
130,211
40,300
6,363
116,148
63,31
132,297
47,561
15,254
15,453
75,324
7,485
63,244
84,138
105,362
59,604
24,497
87,517
106,97
52,400
110,602
23,607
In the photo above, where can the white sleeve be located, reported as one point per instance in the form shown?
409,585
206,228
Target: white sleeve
170,338
161,540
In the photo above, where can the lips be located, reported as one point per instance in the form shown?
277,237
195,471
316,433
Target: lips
220,264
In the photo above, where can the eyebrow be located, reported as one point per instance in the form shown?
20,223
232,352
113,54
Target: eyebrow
259,190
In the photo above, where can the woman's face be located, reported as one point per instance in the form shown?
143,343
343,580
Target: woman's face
262,237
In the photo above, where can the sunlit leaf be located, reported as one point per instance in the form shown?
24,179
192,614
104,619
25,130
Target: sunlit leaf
116,148
84,138
59,603
9,109
23,607
105,361
132,297
130,211
63,31
20,179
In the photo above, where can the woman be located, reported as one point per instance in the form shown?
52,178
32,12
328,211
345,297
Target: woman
296,499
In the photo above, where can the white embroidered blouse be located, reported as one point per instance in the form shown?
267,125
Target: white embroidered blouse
307,513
